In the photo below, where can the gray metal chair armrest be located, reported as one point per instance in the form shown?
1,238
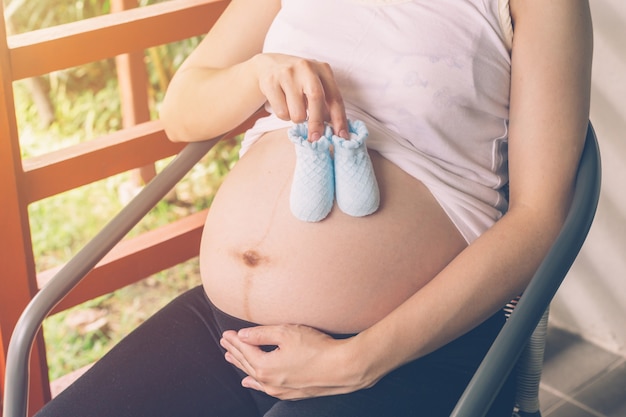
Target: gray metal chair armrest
17,378
514,336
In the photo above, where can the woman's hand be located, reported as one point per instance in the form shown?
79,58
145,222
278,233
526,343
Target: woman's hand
304,363
298,89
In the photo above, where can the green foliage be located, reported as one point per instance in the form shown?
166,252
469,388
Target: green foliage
28,15
85,99
85,103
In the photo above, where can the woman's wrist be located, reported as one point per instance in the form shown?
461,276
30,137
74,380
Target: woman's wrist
362,362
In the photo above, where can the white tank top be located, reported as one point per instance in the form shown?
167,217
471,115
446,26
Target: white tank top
431,81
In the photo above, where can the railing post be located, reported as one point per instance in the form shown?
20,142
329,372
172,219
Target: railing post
133,86
17,265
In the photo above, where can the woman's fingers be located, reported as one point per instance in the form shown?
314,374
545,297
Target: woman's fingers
301,362
298,89
315,93
334,105
233,353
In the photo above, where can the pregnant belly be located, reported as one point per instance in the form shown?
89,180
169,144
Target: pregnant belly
340,275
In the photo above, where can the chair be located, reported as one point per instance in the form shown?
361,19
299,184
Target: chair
497,365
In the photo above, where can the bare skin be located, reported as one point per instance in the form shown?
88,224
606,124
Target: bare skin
340,275
267,269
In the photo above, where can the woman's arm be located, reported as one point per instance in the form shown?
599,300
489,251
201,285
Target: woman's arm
549,111
551,71
214,91
227,78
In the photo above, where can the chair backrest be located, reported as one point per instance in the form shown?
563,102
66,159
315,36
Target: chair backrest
23,181
513,338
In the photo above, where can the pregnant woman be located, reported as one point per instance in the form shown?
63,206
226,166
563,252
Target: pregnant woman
476,112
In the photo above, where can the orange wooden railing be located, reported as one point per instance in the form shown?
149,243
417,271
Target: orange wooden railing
124,34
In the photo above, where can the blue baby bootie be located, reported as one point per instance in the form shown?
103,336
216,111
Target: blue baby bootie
313,188
355,183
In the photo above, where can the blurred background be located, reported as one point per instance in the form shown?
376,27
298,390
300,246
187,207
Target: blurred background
592,300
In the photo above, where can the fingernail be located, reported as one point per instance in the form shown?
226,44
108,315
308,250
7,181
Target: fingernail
314,136
344,134
243,333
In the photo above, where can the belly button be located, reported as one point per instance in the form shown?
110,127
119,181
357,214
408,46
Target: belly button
251,258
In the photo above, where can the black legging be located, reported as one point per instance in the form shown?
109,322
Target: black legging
173,365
